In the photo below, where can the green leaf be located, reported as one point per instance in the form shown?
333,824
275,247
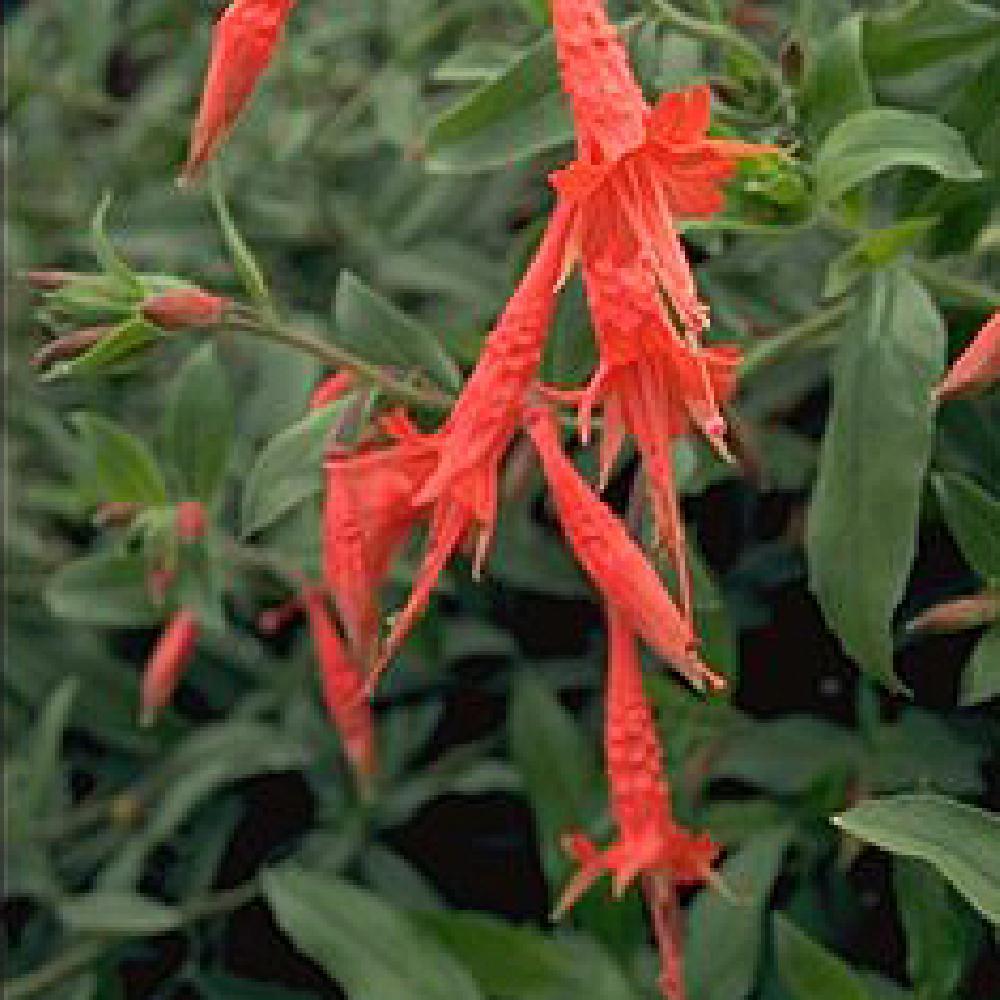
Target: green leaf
809,971
507,961
106,589
959,840
109,258
937,927
725,936
836,83
199,423
870,142
371,950
46,751
118,345
866,503
515,115
981,677
117,466
973,517
374,329
913,36
249,271
288,470
555,760
118,913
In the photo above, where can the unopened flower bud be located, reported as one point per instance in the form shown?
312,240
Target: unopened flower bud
116,514
166,663
69,346
158,582
332,388
190,520
184,309
958,615
49,281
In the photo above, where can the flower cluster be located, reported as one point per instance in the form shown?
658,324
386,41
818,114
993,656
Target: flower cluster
639,169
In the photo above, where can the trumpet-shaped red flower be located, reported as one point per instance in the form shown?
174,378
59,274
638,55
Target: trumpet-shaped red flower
653,384
369,512
612,560
650,843
638,168
343,687
166,663
461,493
977,367
243,42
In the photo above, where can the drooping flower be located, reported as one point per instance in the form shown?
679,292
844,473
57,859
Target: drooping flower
343,686
977,367
650,844
243,42
612,560
369,512
653,384
166,663
462,491
638,167
184,309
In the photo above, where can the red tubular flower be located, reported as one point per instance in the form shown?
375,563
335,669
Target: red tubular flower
650,843
652,384
369,512
343,687
166,663
243,42
638,168
978,366
184,309
332,388
461,492
69,346
613,561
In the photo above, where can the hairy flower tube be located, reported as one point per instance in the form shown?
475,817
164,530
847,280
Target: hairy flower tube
612,560
243,43
650,843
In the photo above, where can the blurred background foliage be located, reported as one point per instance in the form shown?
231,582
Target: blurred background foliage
390,179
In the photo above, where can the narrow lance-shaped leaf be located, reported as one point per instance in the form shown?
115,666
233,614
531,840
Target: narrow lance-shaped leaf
371,950
973,517
374,329
981,677
959,840
110,259
250,274
865,507
199,423
809,971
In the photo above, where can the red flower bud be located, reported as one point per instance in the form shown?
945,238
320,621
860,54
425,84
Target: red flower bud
274,621
69,346
184,309
332,388
166,663
158,582
958,615
190,520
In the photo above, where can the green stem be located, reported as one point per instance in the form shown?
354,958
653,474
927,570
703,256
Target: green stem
334,356
66,965
777,346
